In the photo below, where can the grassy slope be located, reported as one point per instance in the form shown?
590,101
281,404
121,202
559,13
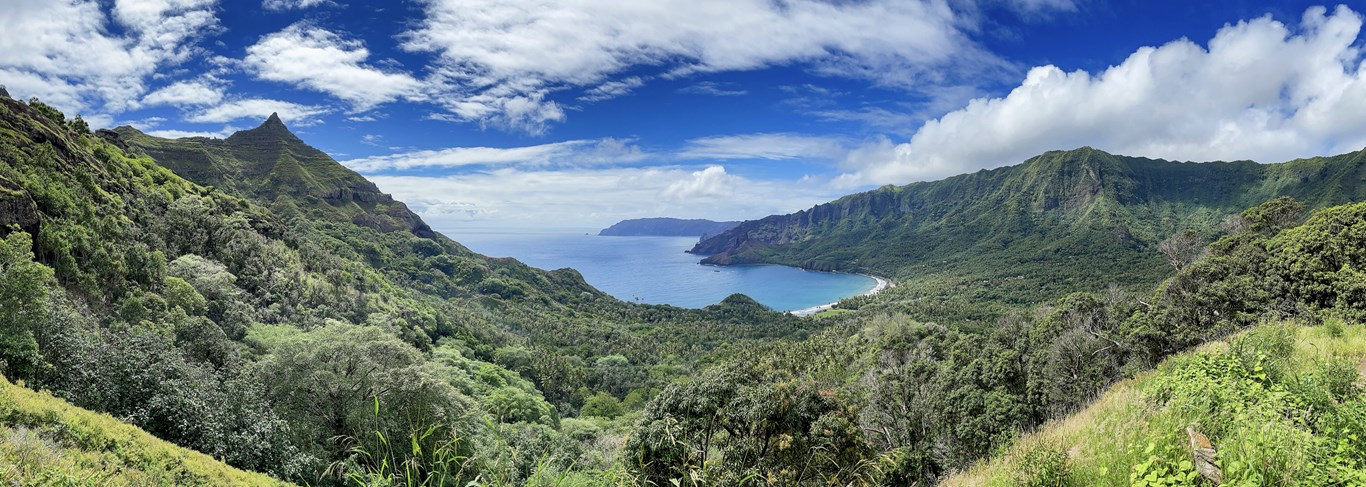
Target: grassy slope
1268,430
46,441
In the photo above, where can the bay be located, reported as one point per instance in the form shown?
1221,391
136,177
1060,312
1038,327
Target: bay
656,270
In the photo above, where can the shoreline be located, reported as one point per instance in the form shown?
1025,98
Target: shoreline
882,284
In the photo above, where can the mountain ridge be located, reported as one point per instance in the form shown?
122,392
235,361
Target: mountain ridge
1043,213
270,161
667,227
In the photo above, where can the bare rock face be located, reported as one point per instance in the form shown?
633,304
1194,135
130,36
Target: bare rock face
1204,452
17,208
3,93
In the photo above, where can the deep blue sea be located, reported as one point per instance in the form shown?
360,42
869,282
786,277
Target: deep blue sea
655,270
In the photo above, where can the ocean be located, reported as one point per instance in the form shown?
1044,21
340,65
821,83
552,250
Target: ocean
656,270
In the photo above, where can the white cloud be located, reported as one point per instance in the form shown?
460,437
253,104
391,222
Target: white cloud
492,52
279,5
186,93
712,182
178,134
567,153
320,60
713,88
613,89
763,146
259,109
62,51
513,197
1261,90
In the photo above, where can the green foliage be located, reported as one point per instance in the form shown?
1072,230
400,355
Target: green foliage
24,286
602,405
46,441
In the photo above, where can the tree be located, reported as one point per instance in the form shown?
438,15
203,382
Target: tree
24,288
353,381
1182,249
1273,216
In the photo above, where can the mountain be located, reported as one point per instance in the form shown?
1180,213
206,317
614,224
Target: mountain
666,227
273,309
268,163
1059,222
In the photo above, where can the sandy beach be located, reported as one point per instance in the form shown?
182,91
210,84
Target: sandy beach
881,284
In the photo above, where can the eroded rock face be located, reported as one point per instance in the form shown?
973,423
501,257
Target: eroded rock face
17,208
3,92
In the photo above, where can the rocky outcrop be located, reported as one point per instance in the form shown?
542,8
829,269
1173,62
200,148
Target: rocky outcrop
17,208
3,92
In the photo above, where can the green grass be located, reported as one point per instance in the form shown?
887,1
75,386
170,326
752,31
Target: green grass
46,441
1283,404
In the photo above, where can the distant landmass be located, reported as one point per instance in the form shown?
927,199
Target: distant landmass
666,227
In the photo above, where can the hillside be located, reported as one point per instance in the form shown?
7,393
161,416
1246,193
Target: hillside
1060,222
46,441
884,397
666,227
1281,405
287,333
270,162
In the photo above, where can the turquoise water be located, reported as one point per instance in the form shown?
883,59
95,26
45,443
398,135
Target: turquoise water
655,270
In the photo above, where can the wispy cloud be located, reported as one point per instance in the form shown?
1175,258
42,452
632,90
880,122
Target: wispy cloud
763,146
613,89
712,88
500,62
516,197
567,153
259,109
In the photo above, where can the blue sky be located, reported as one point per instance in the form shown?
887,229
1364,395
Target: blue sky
489,113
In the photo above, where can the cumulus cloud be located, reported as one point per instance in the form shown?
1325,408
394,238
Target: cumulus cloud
567,153
492,52
63,52
258,109
516,197
318,59
712,182
763,146
1259,90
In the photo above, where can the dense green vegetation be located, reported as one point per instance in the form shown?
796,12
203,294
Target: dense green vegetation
268,323
45,441
974,246
1282,404
930,398
272,309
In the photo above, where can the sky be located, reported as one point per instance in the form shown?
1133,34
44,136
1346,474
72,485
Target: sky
580,113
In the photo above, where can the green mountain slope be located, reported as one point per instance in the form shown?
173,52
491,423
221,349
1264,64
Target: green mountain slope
1282,405
1057,223
287,333
269,162
46,441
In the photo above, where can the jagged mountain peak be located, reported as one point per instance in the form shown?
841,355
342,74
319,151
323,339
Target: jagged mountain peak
273,129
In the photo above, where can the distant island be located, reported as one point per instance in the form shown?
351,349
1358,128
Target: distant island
666,227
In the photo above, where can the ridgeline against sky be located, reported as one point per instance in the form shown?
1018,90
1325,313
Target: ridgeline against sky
484,113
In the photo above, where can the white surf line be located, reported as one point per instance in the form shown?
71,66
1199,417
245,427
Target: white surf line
881,284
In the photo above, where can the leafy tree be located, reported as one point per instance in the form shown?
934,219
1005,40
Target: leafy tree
24,286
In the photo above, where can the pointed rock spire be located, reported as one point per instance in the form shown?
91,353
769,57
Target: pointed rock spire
3,93
272,129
